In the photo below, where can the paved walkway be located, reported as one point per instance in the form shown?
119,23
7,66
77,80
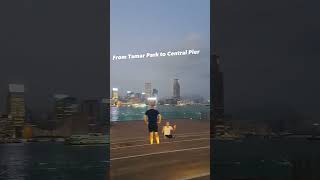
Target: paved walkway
187,156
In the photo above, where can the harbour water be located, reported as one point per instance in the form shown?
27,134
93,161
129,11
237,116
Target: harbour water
125,113
281,159
52,161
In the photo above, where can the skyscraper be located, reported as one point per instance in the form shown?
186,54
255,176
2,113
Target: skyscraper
155,92
147,89
65,106
176,89
217,96
91,108
16,107
104,111
6,126
115,94
143,96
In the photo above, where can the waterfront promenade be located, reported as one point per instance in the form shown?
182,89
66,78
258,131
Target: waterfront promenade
187,156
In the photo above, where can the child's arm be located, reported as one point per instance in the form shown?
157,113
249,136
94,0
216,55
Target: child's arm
145,118
159,118
174,127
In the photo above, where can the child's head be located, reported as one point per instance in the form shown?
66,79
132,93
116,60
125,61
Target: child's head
152,104
167,123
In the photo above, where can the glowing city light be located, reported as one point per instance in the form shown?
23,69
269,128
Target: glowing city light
152,99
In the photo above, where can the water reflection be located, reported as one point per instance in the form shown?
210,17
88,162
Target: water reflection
13,158
285,159
38,161
124,113
114,113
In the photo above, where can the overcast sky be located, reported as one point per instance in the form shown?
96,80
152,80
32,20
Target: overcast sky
271,56
142,26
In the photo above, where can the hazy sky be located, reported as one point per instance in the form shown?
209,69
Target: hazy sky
142,26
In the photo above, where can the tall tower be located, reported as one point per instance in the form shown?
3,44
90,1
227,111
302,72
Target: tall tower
91,108
176,89
217,96
155,92
6,126
147,89
105,114
115,93
16,107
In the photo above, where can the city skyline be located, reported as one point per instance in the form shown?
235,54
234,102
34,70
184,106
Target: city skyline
17,119
138,32
16,96
175,91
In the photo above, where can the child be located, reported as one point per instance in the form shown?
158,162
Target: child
167,130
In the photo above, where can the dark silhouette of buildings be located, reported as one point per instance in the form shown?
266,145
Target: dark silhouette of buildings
155,92
65,106
6,126
217,95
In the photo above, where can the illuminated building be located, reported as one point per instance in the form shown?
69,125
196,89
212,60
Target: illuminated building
143,96
6,126
16,107
65,106
115,93
130,94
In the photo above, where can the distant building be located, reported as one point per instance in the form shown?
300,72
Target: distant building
114,96
115,93
176,89
16,107
130,94
249,127
155,93
96,111
6,126
147,89
143,96
138,96
104,110
65,106
170,101
28,118
217,95
91,108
